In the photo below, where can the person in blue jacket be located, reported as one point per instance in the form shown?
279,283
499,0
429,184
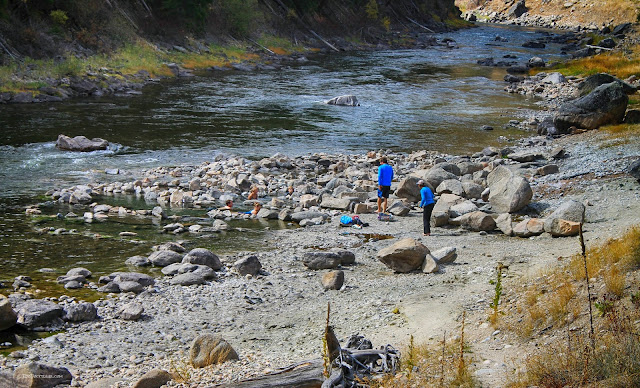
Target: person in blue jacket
385,175
427,203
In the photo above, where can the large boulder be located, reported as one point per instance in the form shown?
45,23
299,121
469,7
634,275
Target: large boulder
36,375
155,378
307,215
440,214
508,192
130,311
248,266
332,280
78,312
476,221
8,317
505,224
634,169
606,104
450,186
404,256
38,312
398,209
593,81
80,143
204,257
518,9
210,349
437,175
529,227
164,258
187,279
348,100
570,210
558,227
446,255
408,189
321,260
343,204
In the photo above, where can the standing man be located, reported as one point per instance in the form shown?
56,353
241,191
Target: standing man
427,203
385,175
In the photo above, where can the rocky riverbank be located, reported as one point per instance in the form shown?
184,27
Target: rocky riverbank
275,315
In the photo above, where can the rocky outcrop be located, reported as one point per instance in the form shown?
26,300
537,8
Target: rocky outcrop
80,143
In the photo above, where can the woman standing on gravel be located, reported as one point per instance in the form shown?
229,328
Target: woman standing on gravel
427,203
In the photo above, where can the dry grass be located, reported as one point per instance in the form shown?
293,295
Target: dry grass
615,63
553,301
440,365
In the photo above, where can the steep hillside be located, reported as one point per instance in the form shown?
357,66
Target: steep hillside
560,13
57,28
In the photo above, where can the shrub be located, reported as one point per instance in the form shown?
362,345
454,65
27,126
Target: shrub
59,17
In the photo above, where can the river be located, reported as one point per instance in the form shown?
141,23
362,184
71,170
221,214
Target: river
434,99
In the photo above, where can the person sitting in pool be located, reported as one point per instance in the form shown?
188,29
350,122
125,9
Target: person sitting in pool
290,191
256,208
228,205
253,193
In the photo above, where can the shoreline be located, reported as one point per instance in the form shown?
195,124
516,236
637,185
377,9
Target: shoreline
289,314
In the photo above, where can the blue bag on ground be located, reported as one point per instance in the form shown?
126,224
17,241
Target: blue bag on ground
346,220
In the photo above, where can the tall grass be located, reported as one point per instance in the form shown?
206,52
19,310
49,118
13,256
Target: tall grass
571,359
616,64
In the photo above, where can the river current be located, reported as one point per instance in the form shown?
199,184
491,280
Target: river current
434,99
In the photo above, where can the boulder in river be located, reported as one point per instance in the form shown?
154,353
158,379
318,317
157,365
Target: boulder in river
347,100
80,143
37,312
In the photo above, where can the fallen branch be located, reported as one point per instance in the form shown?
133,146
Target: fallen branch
598,47
9,50
324,41
420,25
262,47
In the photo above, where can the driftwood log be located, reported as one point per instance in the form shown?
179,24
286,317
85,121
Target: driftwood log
349,365
345,368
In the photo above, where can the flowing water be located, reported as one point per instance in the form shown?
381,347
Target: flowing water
434,99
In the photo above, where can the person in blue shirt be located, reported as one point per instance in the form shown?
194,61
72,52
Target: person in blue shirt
385,175
427,203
